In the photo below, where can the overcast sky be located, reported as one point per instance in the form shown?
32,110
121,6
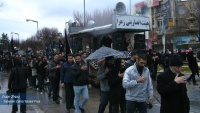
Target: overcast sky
48,13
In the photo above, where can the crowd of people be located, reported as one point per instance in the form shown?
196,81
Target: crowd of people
125,84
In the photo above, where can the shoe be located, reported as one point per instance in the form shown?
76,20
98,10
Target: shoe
154,79
72,107
188,81
60,97
195,84
57,101
49,96
82,110
68,111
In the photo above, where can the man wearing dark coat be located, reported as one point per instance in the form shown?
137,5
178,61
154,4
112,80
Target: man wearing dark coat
192,63
18,84
171,85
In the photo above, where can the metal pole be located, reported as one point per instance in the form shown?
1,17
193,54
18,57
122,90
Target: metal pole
84,14
37,25
18,36
130,7
199,27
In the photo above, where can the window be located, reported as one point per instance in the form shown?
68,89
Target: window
182,10
159,22
153,22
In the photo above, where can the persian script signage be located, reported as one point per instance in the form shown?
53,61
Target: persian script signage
132,22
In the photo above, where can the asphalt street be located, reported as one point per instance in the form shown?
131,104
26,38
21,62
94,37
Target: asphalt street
46,105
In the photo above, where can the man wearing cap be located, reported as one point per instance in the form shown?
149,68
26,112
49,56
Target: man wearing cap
171,85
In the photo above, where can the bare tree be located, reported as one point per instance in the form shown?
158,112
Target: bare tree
1,4
182,22
43,38
101,17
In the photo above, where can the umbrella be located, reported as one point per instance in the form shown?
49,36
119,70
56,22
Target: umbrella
104,52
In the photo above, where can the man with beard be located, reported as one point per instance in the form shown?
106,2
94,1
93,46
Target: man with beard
138,85
67,82
172,88
42,66
132,59
80,82
54,77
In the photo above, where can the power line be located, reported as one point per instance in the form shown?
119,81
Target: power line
1,19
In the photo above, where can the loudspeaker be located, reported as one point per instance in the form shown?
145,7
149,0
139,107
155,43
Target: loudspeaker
139,38
120,8
139,45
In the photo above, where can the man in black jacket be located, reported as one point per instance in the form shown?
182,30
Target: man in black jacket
67,82
54,77
81,80
42,66
132,60
192,62
18,84
171,85
155,62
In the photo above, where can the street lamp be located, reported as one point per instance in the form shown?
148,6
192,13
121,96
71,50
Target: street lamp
33,21
16,34
37,27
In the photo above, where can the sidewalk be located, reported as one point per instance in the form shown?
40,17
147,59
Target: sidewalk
48,106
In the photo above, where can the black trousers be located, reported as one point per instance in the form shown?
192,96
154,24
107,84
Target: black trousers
154,72
133,105
41,82
121,104
194,72
69,94
22,94
55,87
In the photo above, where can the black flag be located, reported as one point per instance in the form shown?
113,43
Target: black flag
12,45
67,43
61,47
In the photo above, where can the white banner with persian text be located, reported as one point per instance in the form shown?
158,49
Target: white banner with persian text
132,22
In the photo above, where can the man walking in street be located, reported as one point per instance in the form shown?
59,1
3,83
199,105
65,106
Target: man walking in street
54,77
132,60
172,88
17,83
104,86
138,85
81,80
67,82
192,62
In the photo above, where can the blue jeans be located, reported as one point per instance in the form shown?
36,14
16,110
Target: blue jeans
78,90
104,99
132,105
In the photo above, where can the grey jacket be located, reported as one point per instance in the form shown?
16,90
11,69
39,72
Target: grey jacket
104,86
52,70
138,92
